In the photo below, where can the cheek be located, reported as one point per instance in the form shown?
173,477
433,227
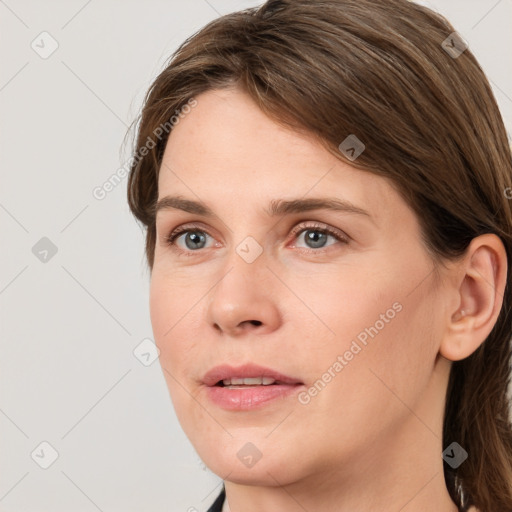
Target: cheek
173,312
176,332
172,298
399,347
386,362
342,305
378,327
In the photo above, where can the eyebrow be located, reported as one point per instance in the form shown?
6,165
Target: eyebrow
277,207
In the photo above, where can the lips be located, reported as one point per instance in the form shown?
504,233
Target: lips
247,375
248,387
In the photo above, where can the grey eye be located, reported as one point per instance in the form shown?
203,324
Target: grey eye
194,239
315,238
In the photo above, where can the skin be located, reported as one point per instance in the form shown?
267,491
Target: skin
371,439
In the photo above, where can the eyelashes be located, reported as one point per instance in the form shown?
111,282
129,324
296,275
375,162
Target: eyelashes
200,235
324,230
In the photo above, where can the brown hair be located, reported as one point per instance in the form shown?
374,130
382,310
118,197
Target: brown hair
430,124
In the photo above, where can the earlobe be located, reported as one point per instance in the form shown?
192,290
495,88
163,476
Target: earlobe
482,276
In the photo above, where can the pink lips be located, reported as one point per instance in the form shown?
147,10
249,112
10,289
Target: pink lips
252,396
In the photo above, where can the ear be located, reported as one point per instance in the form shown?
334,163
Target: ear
480,279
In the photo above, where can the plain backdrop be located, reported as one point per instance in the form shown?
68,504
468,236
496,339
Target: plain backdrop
74,396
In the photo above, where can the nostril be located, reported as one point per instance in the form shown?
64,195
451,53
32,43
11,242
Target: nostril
255,322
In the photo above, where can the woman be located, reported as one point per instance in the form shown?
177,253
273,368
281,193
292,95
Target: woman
325,187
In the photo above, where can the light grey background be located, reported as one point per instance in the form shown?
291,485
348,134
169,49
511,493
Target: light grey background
69,325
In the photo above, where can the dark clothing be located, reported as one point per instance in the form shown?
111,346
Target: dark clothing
217,504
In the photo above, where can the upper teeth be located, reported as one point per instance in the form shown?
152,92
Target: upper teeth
251,381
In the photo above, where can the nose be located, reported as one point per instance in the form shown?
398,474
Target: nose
245,299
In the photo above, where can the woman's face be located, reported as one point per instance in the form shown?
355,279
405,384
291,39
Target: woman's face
352,316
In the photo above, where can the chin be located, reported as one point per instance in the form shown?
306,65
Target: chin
233,463
257,475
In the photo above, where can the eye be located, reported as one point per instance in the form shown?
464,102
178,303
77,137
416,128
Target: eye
316,236
192,237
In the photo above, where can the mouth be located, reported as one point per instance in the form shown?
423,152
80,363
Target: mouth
248,375
251,382
247,387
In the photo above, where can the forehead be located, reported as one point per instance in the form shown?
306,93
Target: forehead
226,148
